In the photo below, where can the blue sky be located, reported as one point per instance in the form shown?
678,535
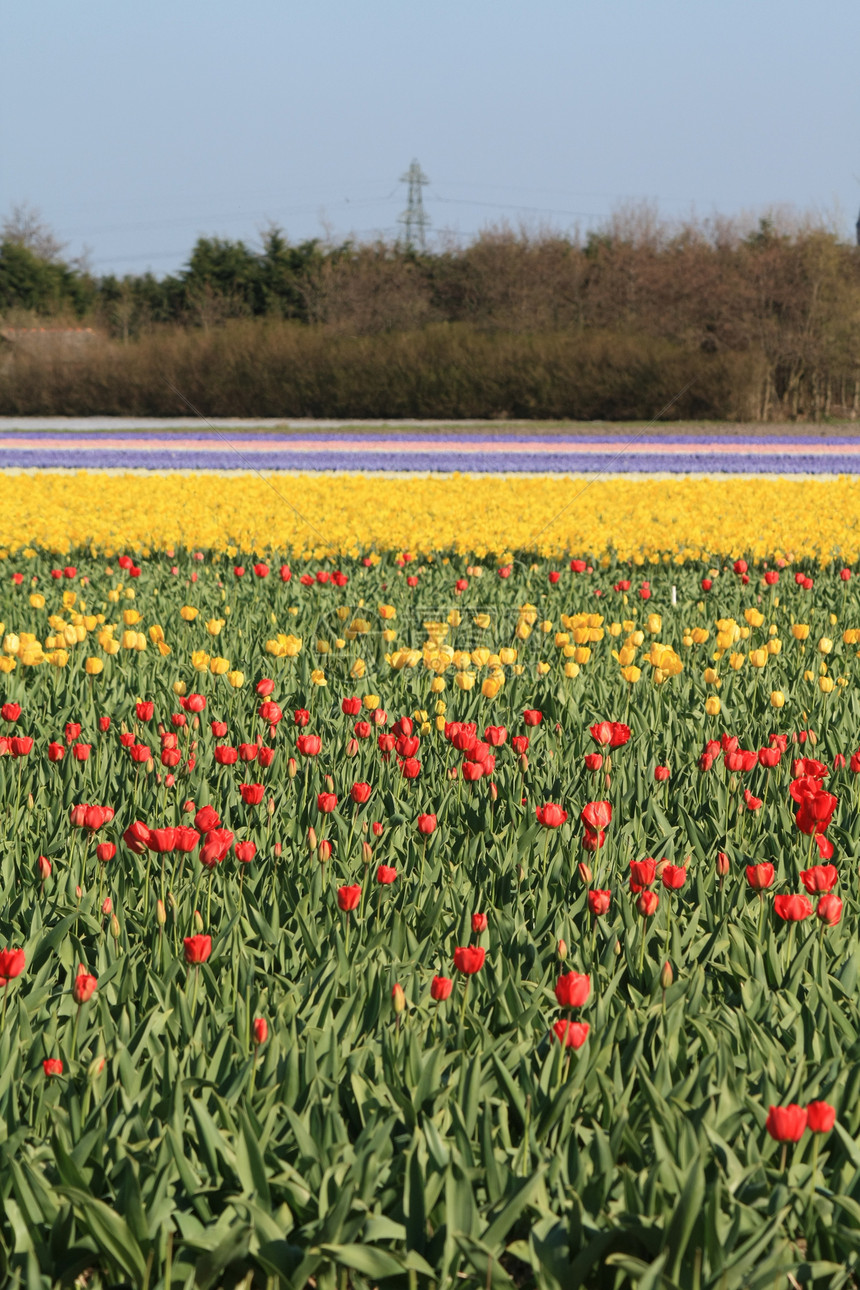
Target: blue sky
134,128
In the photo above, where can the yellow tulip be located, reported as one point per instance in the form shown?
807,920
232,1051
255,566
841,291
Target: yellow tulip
754,617
542,669
93,666
825,645
37,600
111,646
777,699
189,613
800,631
358,669
631,673
219,666
712,706
758,657
465,680
572,669
200,660
179,688
826,684
130,617
437,685
490,687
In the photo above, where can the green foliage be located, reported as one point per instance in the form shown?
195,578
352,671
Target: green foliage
452,1143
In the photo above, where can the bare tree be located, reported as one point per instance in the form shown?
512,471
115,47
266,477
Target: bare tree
25,226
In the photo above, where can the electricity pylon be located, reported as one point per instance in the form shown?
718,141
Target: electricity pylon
414,219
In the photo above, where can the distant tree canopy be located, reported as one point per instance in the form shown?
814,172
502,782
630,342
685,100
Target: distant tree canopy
785,293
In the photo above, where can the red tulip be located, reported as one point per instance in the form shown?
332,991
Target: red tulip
272,714
218,728
260,1030
820,1117
245,851
592,841
360,792
673,876
326,803
301,716
105,851
750,802
11,965
647,903
469,959
792,908
56,752
140,753
264,687
593,761
551,816
143,709
661,773
642,873
162,841
620,734
598,902
350,707
10,711
596,815
760,876
786,1123
769,757
252,794
820,878
532,717
84,987
308,745
479,923
226,755
572,989
195,703
571,1034
348,897
52,1066
248,752
206,819
197,948
21,745
829,909
440,988
410,768
601,732
426,824
386,874
496,735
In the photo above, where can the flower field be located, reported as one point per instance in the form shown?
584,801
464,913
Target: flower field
376,913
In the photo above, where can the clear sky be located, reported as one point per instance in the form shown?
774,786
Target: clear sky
136,127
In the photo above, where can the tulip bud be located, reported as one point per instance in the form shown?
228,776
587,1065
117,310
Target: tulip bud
523,763
107,905
150,766
171,900
277,848
292,768
96,1067
329,783
812,737
312,839
44,868
270,806
722,864
521,873
30,802
114,927
79,891
160,913
453,772
616,948
198,920
366,852
398,998
352,748
494,793
562,949
733,783
667,976
585,872
324,850
607,764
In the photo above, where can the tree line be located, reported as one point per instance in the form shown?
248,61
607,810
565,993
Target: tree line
765,320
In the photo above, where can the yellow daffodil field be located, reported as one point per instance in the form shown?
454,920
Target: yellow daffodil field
429,881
